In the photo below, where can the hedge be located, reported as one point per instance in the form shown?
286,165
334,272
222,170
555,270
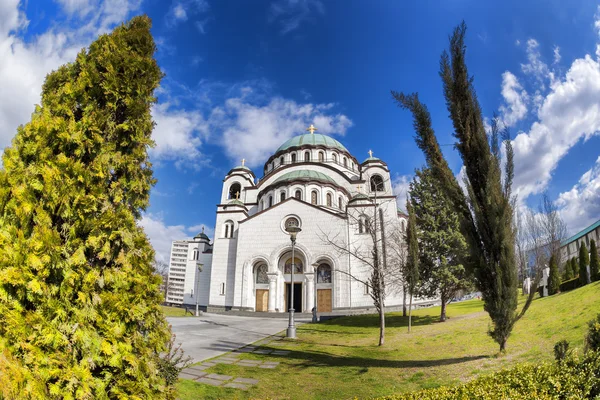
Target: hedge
576,377
569,285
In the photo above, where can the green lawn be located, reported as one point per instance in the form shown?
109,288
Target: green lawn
174,311
340,358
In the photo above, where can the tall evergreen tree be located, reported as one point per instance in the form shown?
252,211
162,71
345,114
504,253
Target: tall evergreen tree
554,277
441,245
574,268
486,212
412,259
594,262
568,271
584,261
78,297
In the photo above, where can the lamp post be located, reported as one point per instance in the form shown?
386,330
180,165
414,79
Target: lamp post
199,266
293,230
315,317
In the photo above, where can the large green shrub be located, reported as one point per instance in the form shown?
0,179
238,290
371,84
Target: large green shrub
80,309
594,262
592,338
569,285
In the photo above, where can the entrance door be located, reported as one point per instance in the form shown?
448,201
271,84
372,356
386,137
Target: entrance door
297,296
262,300
324,300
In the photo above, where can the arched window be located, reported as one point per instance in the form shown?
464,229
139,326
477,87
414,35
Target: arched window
293,157
324,273
321,157
340,203
298,194
307,156
281,161
367,225
313,197
282,196
376,183
360,225
228,229
261,274
298,267
329,200
235,191
334,157
345,162
402,226
270,201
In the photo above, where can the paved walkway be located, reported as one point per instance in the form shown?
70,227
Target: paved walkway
211,335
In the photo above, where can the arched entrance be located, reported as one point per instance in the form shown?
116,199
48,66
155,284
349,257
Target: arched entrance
261,287
285,265
324,287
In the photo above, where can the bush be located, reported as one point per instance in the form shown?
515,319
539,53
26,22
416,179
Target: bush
172,363
592,339
574,378
561,350
569,285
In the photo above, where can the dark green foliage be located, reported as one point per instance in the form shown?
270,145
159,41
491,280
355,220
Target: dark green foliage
554,277
571,284
441,245
575,377
594,262
574,267
486,214
568,274
412,261
561,350
592,338
584,261
79,300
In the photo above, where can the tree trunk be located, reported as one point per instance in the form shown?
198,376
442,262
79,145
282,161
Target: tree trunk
503,345
404,301
410,313
443,313
381,325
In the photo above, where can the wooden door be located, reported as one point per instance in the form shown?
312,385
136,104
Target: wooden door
262,300
324,300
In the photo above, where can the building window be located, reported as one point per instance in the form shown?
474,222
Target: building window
195,254
376,183
270,201
366,290
367,223
298,194
402,226
329,200
222,289
282,196
261,274
334,157
293,157
324,273
313,197
307,156
360,225
340,203
228,231
235,191
321,157
345,162
292,221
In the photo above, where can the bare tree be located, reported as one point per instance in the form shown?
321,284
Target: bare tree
553,225
162,270
373,254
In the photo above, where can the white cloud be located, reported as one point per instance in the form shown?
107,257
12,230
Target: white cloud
535,65
161,235
78,7
179,12
292,13
556,55
515,98
580,206
182,10
568,113
254,132
400,187
178,135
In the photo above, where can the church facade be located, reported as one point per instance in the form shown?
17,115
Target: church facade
311,181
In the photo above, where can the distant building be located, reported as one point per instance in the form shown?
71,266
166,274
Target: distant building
570,247
184,283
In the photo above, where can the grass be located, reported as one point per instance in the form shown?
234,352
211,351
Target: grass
340,358
173,311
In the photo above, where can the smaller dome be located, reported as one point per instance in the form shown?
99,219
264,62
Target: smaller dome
312,139
202,236
237,202
304,175
360,196
371,159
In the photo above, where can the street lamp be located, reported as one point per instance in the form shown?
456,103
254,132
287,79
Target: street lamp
315,317
293,230
199,266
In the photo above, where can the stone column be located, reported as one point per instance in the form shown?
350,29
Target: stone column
272,291
310,292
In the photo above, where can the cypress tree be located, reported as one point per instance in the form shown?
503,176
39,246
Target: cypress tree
584,261
594,262
486,213
553,277
574,268
78,297
568,271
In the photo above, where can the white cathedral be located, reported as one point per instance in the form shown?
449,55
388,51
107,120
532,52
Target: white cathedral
311,181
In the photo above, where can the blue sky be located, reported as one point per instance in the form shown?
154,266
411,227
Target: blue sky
243,76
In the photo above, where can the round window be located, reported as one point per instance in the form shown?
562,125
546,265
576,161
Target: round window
291,222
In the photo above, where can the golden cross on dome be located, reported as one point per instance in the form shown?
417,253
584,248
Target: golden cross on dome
243,161
237,195
370,154
312,129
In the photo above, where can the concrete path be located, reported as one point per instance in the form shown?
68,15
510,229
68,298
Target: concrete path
211,335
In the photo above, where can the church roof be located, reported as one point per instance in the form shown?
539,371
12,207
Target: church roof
371,159
306,175
314,139
201,235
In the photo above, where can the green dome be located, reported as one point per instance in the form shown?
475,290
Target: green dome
360,196
237,202
304,175
312,139
201,236
371,159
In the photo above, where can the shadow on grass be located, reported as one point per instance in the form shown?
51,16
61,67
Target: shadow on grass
372,321
323,359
